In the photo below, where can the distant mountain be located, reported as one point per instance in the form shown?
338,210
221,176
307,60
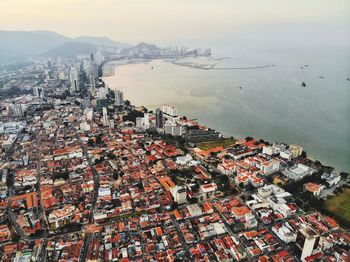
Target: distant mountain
71,49
105,41
29,43
19,45
143,49
146,46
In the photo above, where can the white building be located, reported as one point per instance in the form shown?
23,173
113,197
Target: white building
286,154
84,126
119,98
270,150
298,172
36,91
268,190
170,112
104,191
143,123
105,119
306,241
285,232
74,79
331,179
173,129
179,194
98,58
269,167
183,160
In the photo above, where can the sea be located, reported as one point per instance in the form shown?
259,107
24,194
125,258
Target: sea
267,103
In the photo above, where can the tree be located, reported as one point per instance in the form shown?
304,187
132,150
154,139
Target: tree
213,154
111,155
99,139
90,142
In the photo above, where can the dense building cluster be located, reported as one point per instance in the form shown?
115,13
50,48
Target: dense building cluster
86,176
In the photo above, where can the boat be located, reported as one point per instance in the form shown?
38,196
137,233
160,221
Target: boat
303,84
322,77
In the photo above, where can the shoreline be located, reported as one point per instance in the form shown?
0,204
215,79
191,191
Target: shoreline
311,157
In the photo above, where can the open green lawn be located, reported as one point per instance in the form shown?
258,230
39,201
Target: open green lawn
210,145
340,204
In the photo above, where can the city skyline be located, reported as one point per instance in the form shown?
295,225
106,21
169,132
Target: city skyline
158,21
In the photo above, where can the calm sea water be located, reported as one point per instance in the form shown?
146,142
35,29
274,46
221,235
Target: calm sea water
271,104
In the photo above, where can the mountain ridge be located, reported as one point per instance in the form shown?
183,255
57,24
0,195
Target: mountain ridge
16,45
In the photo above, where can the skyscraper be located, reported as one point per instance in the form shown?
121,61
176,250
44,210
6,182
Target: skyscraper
159,118
105,117
16,110
307,242
93,82
86,102
119,98
36,91
74,79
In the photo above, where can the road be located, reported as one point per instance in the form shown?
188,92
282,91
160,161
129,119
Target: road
87,240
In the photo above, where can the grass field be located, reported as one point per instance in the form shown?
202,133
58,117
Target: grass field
210,145
340,205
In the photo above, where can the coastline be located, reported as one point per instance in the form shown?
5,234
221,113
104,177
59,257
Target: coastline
311,156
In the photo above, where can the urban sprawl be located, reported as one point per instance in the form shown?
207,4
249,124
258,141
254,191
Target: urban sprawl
87,176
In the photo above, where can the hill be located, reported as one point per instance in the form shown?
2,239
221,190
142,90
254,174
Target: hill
103,41
71,50
17,46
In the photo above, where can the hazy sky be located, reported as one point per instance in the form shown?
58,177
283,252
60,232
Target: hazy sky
165,21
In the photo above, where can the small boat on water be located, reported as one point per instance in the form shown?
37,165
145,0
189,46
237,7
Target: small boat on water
303,84
348,79
322,77
240,87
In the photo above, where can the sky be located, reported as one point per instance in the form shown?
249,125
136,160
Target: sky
165,21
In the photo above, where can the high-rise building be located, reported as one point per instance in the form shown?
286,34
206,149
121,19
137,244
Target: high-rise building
86,102
92,82
74,79
36,91
16,110
173,129
98,58
159,118
307,242
92,69
111,124
179,194
170,112
119,98
295,150
105,117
